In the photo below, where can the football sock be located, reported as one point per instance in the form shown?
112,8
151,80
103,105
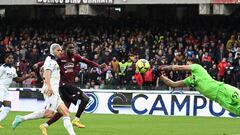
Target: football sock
45,125
76,118
68,125
4,112
56,117
34,115
82,106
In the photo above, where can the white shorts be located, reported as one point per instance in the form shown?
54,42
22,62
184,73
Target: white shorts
52,102
4,94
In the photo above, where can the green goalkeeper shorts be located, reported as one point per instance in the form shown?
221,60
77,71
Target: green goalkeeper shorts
229,98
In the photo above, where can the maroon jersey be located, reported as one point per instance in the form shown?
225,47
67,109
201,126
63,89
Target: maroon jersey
68,66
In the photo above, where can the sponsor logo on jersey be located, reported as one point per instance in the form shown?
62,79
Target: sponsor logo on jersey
63,60
68,65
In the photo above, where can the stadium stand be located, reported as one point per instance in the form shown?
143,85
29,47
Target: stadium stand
124,40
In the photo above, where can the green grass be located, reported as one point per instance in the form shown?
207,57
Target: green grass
132,125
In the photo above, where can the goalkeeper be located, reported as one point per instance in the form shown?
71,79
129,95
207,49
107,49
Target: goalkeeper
226,95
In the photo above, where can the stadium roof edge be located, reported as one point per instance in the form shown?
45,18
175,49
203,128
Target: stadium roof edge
118,2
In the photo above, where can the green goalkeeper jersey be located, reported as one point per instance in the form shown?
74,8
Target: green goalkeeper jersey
203,82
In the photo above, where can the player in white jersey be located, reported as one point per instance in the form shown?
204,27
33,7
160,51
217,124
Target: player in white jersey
51,76
7,75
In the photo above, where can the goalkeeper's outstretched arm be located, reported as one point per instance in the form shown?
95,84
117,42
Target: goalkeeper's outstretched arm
171,83
168,81
175,68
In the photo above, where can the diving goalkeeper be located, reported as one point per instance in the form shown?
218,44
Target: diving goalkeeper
226,95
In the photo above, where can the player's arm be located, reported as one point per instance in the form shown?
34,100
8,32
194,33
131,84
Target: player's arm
41,72
176,68
1,70
79,58
37,65
21,79
172,83
46,77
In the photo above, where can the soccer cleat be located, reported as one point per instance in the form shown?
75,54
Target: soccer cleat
43,129
16,122
78,124
1,126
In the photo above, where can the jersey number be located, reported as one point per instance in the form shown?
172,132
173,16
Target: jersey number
235,95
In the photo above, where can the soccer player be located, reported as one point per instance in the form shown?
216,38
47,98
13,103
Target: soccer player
226,95
70,93
50,89
7,74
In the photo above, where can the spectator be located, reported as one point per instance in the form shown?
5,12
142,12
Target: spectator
214,72
23,51
148,79
190,52
231,42
206,61
222,66
229,74
230,58
122,71
17,55
236,65
115,65
237,52
206,58
169,56
33,55
221,53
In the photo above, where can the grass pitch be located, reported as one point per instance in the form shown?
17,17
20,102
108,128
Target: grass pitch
99,124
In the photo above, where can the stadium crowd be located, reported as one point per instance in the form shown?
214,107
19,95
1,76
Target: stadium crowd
119,43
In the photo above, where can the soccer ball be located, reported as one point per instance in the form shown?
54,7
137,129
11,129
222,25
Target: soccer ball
142,66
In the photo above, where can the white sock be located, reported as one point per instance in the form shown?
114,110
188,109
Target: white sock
4,112
68,125
45,125
34,115
76,118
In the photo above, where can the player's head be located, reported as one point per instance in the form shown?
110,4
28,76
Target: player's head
8,58
55,50
69,48
192,61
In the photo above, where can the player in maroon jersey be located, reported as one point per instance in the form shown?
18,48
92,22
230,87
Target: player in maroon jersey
69,93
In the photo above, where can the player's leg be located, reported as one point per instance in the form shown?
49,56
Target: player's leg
84,101
56,103
72,94
62,109
55,117
229,98
51,106
6,109
235,93
34,115
6,103
48,112
0,107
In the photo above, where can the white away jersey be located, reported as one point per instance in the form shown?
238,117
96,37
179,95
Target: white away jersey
6,75
51,64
